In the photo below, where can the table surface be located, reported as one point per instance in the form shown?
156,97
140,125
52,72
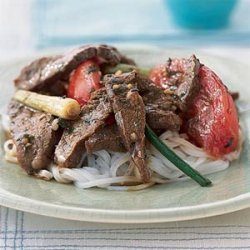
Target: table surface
20,230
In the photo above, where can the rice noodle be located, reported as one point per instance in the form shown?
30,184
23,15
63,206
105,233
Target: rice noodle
111,180
131,188
118,163
108,169
58,175
44,174
116,171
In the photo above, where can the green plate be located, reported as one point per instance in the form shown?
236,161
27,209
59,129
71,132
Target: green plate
171,202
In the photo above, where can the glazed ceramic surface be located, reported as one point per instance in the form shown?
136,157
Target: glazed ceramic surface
170,202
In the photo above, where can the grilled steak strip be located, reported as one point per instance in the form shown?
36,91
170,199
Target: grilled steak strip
33,135
107,138
161,108
70,149
130,117
31,74
161,120
182,79
44,72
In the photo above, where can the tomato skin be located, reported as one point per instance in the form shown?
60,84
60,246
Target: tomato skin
164,75
157,75
212,120
84,80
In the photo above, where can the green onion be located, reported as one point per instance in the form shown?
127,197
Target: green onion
175,159
125,68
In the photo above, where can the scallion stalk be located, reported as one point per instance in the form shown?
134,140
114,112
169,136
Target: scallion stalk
175,159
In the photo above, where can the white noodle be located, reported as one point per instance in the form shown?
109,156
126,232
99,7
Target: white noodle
116,171
131,188
118,163
58,175
111,180
159,180
91,160
158,167
44,174
104,168
166,135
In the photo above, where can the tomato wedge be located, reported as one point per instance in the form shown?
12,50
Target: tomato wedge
167,74
84,80
212,120
158,75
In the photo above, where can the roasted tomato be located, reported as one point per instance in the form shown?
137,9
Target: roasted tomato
171,73
158,75
212,120
84,80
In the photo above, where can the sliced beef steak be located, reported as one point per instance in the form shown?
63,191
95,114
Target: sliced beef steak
107,138
130,117
153,94
161,120
70,149
182,79
32,73
161,107
33,135
44,72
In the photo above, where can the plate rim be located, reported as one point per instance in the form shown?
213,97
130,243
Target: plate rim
155,215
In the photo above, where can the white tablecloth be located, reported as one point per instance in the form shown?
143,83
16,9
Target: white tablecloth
21,230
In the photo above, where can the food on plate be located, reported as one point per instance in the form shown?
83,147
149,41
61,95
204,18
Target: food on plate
93,117
213,110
